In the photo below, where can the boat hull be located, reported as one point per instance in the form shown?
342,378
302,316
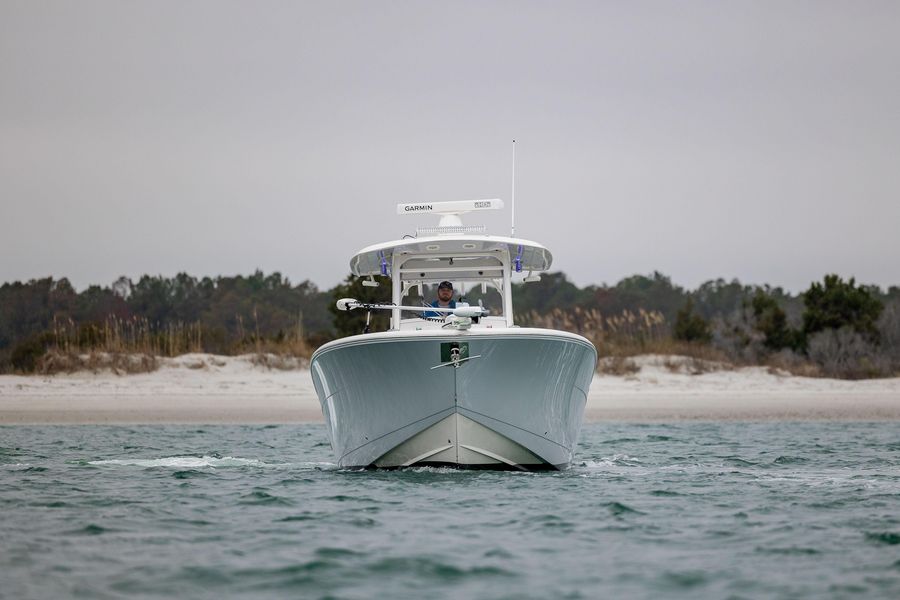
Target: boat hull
513,400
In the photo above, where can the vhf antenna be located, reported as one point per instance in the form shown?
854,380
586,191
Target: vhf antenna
513,202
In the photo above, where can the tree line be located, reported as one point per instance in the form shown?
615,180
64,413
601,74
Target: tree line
161,315
835,327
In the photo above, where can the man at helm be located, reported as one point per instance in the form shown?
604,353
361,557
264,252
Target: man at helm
444,300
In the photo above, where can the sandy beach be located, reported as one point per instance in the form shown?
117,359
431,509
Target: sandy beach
201,388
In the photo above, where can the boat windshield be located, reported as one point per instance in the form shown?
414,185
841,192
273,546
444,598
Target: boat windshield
474,293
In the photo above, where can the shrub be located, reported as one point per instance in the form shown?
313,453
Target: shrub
691,327
771,321
889,332
27,353
617,365
845,353
835,304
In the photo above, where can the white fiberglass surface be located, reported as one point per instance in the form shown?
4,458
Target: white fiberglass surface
426,324
377,259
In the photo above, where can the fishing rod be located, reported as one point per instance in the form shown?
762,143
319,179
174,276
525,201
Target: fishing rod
471,312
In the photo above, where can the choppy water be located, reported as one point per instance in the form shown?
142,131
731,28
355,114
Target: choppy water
713,510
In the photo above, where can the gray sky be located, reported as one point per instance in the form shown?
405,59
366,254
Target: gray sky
758,140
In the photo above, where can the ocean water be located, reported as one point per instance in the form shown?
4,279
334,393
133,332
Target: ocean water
686,510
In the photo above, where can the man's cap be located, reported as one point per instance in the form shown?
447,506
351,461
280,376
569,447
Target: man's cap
445,284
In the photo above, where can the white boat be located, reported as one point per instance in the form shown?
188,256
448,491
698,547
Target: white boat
470,389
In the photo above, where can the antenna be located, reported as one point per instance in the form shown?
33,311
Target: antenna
513,200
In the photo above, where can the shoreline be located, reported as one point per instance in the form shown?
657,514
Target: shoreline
206,389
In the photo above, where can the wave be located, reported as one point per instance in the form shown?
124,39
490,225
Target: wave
186,462
616,460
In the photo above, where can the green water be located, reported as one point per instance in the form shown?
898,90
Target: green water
696,510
